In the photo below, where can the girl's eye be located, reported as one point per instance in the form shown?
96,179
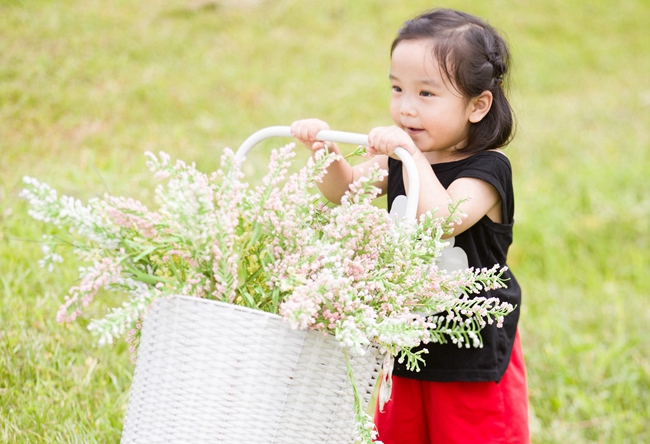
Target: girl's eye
426,94
397,89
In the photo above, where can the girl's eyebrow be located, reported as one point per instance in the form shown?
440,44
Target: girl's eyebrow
430,82
425,81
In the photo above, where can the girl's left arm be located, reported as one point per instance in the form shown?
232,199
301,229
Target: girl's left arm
478,197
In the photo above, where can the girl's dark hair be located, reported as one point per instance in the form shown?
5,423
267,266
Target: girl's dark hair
475,58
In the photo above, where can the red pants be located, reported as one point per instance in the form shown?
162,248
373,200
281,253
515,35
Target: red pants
422,412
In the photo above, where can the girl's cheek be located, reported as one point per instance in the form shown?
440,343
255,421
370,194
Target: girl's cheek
394,112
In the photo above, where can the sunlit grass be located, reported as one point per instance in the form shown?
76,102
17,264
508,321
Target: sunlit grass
87,86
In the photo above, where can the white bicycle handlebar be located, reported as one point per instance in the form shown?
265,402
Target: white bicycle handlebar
344,137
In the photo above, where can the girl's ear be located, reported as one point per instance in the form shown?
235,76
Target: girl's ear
479,106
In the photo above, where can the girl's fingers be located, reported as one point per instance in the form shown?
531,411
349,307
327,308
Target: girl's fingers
300,131
306,130
313,130
384,140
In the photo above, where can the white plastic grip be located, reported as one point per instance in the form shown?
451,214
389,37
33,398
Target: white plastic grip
344,137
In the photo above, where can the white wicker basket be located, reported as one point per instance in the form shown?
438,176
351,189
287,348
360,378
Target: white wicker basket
214,372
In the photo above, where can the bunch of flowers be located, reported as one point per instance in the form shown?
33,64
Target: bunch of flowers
349,270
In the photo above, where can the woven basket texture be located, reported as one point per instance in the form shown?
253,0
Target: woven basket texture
214,372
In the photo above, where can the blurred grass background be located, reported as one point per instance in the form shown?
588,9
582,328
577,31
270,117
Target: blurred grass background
87,86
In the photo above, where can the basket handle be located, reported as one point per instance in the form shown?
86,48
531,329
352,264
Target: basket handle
344,137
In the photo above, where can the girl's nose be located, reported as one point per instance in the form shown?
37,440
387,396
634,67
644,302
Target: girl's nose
407,108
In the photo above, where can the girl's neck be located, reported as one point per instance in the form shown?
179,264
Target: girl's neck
444,156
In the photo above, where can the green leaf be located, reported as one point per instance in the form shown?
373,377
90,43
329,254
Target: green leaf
147,278
146,252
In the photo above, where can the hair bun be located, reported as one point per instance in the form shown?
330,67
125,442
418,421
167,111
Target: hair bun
496,56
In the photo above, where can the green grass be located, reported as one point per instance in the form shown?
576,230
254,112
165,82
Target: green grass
87,86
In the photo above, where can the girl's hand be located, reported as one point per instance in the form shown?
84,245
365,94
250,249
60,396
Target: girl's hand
306,130
384,140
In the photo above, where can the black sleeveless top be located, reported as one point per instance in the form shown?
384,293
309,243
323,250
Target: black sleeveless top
486,244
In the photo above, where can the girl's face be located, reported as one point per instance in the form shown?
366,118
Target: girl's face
425,104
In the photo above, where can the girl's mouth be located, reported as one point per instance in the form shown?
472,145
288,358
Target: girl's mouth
413,131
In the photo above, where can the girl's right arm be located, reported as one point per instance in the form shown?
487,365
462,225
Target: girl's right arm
340,174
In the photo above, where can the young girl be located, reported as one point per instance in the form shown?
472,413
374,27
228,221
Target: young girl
451,114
